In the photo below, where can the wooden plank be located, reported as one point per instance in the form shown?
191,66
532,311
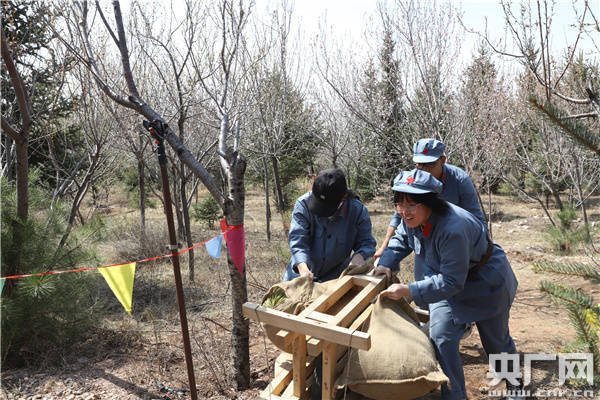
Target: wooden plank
280,388
305,326
370,290
329,369
279,383
288,392
319,316
362,318
321,304
313,345
423,315
363,280
299,364
359,302
267,396
324,302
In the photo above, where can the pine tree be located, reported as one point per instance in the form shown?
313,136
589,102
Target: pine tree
43,72
584,316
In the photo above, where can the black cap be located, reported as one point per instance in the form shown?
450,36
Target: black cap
327,191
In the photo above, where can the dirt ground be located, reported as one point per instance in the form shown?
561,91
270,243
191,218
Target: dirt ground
141,357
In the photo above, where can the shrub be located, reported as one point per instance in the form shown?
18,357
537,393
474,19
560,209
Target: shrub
566,235
207,211
130,183
131,246
44,315
506,189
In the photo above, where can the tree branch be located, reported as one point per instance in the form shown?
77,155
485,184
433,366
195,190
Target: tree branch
7,127
583,115
19,86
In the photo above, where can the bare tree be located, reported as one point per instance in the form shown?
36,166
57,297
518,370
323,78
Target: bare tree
429,41
20,136
169,52
482,115
285,124
529,24
92,160
408,94
223,92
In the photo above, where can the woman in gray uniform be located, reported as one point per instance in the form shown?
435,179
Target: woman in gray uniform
460,276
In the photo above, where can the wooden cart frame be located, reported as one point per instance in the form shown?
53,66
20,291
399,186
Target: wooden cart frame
319,329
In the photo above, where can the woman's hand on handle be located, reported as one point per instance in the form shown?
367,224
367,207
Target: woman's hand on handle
303,270
395,291
383,270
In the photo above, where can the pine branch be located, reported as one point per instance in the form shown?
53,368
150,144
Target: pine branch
586,333
576,130
567,295
570,268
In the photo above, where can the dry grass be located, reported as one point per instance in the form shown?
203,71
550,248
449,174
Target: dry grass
151,338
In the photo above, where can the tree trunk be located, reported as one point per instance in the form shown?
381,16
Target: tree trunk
581,198
278,188
22,180
234,214
489,190
9,158
13,267
267,206
177,201
186,222
142,202
556,195
77,200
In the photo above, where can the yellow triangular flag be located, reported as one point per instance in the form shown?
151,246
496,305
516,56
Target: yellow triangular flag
120,280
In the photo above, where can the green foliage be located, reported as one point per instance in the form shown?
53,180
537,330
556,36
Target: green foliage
277,297
584,316
381,99
44,314
292,191
566,236
506,189
128,176
43,74
391,111
567,295
583,136
207,211
365,187
586,325
290,128
568,268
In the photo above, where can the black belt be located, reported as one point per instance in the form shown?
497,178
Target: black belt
483,261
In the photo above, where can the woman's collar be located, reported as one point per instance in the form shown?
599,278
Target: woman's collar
430,224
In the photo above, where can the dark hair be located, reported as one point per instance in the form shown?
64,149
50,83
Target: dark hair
432,200
351,194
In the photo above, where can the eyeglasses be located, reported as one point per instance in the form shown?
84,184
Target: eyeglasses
427,166
408,208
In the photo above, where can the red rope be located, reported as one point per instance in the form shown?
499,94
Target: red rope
229,227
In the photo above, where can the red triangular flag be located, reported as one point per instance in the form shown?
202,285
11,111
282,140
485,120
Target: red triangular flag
236,243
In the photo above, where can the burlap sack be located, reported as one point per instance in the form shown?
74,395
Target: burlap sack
302,291
401,362
299,293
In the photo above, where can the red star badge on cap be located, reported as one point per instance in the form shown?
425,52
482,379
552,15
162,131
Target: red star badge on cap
425,150
410,180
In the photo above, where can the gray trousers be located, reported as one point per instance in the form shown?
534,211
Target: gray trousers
445,335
